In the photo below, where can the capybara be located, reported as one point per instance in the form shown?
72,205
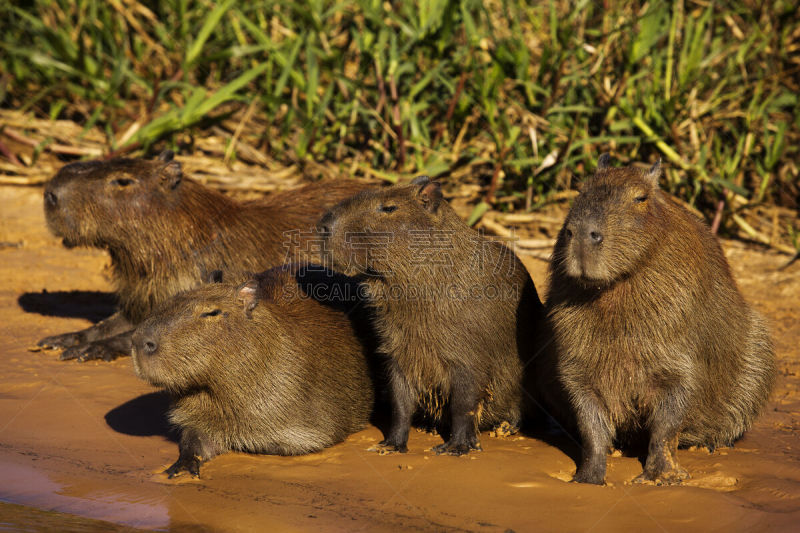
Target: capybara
167,233
453,310
652,333
269,366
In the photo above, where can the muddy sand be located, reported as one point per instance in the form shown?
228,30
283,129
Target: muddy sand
90,439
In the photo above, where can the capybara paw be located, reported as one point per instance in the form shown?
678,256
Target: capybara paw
89,352
184,464
457,448
674,476
387,446
55,342
587,475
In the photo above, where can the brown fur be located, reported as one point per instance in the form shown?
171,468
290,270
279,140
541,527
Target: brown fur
166,233
650,327
262,367
448,304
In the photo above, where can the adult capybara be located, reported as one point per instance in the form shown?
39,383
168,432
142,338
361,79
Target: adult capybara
453,310
270,366
166,233
651,331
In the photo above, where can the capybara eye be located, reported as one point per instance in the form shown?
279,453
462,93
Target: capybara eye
122,182
387,208
640,199
215,312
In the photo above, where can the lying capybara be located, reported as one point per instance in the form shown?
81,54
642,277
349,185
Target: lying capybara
453,310
270,366
651,330
166,233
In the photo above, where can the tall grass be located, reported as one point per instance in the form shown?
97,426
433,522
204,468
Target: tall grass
522,96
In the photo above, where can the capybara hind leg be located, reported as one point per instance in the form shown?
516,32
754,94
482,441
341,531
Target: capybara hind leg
596,436
464,410
403,405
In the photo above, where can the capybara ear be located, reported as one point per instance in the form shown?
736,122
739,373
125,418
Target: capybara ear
171,174
166,156
430,195
603,161
247,295
653,174
421,180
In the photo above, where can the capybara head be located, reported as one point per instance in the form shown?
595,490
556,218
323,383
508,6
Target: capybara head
374,232
613,225
183,344
91,203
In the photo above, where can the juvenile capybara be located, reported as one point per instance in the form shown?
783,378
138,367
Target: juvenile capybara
453,310
270,366
651,331
167,233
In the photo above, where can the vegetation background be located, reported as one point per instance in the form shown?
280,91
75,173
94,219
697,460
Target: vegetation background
517,97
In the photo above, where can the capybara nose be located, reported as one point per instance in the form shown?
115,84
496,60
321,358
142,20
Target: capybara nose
50,198
595,237
149,347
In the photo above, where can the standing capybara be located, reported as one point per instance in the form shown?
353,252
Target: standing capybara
651,330
453,310
166,233
271,366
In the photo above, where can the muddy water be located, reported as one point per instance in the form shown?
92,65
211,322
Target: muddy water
91,439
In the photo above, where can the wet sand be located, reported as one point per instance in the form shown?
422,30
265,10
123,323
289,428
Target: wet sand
90,439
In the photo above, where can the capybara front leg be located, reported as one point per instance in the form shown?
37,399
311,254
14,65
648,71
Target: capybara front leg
105,349
403,406
111,326
193,451
596,435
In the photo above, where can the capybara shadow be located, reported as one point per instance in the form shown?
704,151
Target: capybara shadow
93,306
553,435
143,416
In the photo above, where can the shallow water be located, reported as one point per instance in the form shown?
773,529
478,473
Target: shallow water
22,519
29,486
